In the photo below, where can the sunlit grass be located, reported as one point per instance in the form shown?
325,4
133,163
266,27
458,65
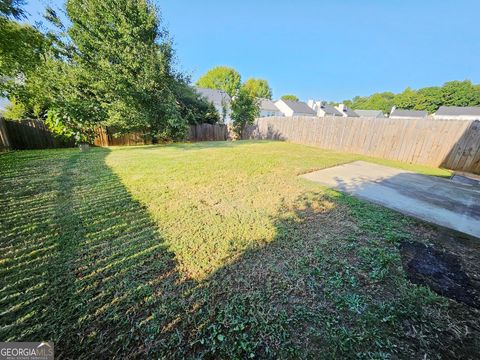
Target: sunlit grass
211,202
214,250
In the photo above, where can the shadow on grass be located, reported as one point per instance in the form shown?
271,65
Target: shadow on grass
85,266
83,263
330,285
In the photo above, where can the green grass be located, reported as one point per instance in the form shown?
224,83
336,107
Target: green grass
210,250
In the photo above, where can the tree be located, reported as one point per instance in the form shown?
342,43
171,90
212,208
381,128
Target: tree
245,109
460,93
193,107
406,100
258,88
378,101
113,67
21,46
16,110
12,9
453,93
221,78
289,97
429,98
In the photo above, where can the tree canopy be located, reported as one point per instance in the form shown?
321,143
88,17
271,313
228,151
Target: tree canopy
113,66
289,97
12,9
258,88
245,108
379,101
221,78
122,75
452,93
21,45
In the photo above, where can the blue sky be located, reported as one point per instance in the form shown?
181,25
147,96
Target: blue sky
330,50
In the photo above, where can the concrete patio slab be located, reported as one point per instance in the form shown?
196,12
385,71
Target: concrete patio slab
437,200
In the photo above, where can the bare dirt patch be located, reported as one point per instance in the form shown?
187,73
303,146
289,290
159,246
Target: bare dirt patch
442,271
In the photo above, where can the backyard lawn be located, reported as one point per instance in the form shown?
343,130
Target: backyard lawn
213,250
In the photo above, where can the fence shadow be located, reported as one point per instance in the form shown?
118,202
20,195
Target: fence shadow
465,153
253,132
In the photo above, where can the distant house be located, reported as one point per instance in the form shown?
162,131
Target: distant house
322,109
268,108
370,113
457,113
346,111
294,108
407,114
220,99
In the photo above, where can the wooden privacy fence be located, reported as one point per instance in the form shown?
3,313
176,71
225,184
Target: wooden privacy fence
104,139
208,132
29,134
199,132
453,144
33,134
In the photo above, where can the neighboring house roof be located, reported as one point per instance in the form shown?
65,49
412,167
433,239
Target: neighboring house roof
458,111
370,113
213,95
299,107
350,113
330,110
268,105
346,111
409,113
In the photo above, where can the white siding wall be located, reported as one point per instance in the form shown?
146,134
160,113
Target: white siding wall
284,108
321,113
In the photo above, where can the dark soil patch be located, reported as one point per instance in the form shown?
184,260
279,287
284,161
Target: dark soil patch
440,270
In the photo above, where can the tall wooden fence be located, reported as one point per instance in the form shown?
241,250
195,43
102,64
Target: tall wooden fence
208,132
103,138
199,132
29,134
453,144
33,134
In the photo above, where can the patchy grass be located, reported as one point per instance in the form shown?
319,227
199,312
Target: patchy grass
213,250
